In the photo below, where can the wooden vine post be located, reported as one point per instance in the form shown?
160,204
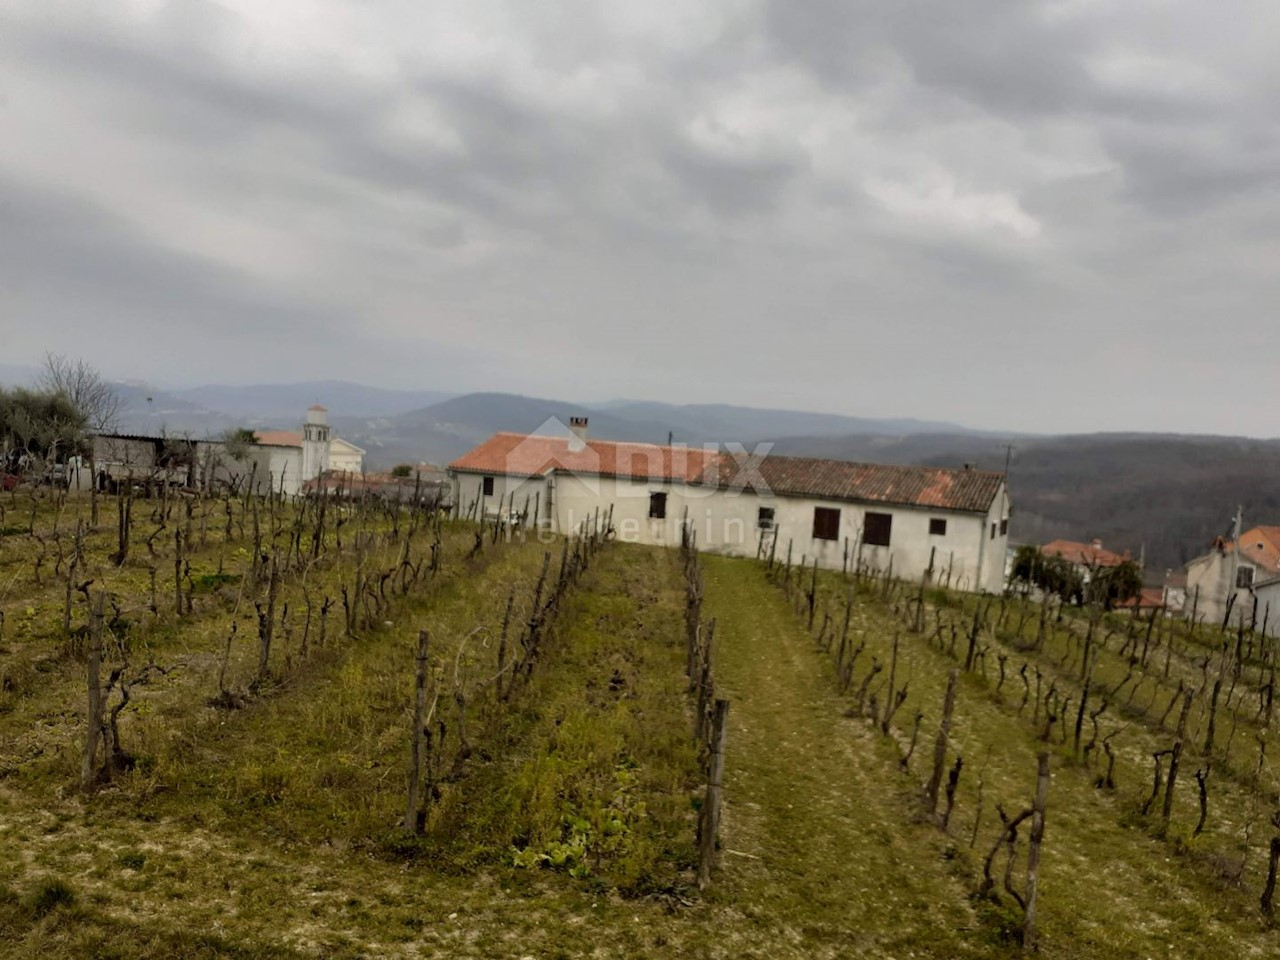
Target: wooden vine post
709,821
1033,853
410,824
88,766
940,745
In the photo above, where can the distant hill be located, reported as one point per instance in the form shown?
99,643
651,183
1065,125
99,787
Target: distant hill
446,430
721,421
442,431
146,410
287,402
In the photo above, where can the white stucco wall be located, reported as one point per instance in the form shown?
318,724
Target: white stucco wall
345,456
1268,594
1212,575
727,522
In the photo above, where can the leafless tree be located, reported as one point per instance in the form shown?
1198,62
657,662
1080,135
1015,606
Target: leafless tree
81,383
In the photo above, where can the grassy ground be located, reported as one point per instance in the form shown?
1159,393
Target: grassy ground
823,857
1111,885
272,830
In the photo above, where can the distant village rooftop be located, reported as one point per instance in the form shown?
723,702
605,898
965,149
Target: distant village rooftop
1085,554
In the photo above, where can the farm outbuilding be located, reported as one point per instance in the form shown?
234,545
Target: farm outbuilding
838,513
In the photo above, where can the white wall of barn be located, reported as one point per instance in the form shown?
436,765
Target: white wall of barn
727,521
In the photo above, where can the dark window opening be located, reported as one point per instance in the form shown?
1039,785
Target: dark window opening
657,506
877,528
1004,527
937,527
764,519
993,531
1244,577
826,523
486,487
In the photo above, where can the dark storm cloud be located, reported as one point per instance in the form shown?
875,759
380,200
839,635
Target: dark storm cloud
723,201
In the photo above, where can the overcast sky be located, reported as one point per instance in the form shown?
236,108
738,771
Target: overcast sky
1034,216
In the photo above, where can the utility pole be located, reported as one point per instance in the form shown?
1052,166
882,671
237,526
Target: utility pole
1235,554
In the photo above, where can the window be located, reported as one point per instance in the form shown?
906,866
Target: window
993,531
1244,577
826,523
764,519
1004,527
658,506
937,527
876,528
488,486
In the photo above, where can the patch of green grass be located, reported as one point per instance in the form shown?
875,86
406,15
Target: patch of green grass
594,777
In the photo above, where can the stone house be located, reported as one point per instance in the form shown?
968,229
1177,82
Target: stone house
954,521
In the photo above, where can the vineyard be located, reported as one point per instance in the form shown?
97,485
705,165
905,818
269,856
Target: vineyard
263,727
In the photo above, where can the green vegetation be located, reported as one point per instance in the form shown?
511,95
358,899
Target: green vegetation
262,812
1060,577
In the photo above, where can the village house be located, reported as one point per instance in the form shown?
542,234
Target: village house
953,522
280,460
1248,578
1087,558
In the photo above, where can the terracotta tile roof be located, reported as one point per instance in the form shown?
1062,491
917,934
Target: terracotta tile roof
1151,598
279,438
970,491
532,455
1259,545
1088,554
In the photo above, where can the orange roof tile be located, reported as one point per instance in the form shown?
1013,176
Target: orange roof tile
524,455
970,491
1258,545
1088,554
1151,598
530,455
279,438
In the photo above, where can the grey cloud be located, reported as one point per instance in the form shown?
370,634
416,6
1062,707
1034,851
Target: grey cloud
569,246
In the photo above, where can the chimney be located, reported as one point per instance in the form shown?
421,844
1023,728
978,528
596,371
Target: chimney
578,427
1097,544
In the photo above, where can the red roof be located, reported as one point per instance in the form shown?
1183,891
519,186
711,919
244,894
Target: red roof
279,438
965,490
1151,598
524,455
1086,554
1259,545
530,455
